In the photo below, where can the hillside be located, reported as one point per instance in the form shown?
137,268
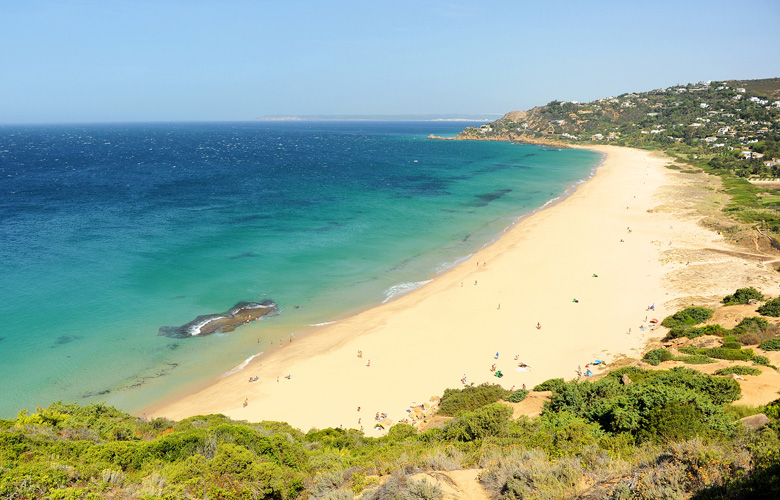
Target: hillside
730,128
724,118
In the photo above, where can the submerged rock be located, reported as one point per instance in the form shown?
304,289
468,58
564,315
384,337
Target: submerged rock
240,314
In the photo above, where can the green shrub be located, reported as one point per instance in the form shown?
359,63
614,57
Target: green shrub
743,296
738,370
731,344
770,345
470,398
674,421
760,360
688,317
489,420
657,356
688,350
696,331
695,359
770,308
401,431
517,396
553,384
751,323
730,354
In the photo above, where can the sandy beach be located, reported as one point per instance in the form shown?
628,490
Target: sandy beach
608,246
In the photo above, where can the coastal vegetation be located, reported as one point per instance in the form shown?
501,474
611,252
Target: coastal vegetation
729,128
630,433
634,433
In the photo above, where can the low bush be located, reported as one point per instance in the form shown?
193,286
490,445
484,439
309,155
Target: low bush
743,296
696,331
751,323
517,396
554,385
770,308
738,370
688,317
770,345
752,338
724,353
489,420
657,356
470,398
760,360
695,359
688,350
731,344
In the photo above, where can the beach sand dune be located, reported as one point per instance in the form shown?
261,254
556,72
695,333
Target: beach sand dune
486,311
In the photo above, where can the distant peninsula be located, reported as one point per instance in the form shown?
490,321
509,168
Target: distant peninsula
466,117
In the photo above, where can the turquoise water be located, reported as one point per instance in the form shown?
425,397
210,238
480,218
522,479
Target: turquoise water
109,232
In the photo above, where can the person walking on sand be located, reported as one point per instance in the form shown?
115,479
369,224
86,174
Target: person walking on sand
369,363
499,306
538,326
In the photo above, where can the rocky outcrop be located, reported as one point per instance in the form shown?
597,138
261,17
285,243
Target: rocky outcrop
238,315
755,422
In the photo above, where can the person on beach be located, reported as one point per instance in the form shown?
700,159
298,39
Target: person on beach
496,355
369,363
475,282
360,354
499,306
538,326
523,386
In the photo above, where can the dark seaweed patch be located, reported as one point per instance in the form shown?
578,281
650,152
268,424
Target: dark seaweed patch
485,198
245,255
67,339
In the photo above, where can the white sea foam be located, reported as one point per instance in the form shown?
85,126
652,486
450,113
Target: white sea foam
242,365
323,324
196,329
402,289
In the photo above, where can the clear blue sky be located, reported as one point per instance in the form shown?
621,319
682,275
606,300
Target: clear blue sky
171,60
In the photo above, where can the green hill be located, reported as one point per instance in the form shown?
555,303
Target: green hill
728,128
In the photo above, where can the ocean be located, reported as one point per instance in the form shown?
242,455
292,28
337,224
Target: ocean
110,232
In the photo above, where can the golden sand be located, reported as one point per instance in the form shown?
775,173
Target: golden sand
485,312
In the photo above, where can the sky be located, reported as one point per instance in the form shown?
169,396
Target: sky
196,60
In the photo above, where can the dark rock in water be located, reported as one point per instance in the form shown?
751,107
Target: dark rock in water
67,339
484,199
241,313
245,255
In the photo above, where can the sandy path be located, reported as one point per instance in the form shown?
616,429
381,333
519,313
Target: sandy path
428,340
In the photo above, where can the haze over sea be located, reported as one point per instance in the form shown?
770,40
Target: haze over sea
108,232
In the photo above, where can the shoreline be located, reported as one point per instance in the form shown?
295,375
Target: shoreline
195,387
427,340
387,328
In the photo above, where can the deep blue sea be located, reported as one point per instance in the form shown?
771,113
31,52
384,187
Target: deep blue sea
108,232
